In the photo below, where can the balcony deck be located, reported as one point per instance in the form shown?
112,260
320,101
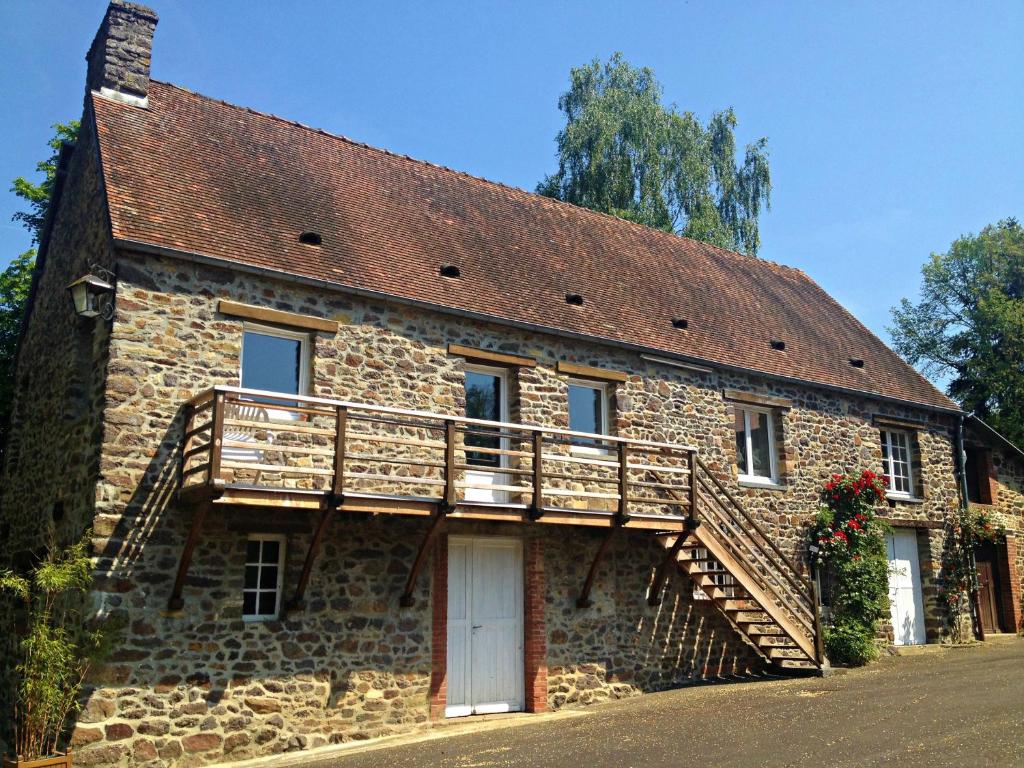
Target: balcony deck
255,448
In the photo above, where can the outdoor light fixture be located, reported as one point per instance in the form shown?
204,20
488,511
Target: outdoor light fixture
814,549
91,295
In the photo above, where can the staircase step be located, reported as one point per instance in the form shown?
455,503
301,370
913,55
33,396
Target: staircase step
789,654
752,617
740,604
776,641
765,630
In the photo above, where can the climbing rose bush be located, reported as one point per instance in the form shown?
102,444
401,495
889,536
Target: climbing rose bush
850,543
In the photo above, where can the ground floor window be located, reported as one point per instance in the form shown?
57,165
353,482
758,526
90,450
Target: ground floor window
264,577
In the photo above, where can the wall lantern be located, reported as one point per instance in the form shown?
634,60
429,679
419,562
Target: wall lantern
91,295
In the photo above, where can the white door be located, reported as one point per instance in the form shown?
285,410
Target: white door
485,626
905,588
486,398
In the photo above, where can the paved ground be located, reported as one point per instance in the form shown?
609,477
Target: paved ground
950,707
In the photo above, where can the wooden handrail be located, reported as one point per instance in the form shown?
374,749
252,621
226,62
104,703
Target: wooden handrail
756,526
262,395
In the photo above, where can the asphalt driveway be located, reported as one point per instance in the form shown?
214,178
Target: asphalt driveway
949,707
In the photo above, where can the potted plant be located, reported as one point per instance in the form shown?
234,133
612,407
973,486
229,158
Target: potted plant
55,648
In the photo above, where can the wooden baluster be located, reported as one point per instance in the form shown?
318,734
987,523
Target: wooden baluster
537,508
694,518
450,494
622,515
819,639
338,482
216,440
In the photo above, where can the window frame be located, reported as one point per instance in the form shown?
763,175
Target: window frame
303,337
773,464
602,389
885,437
504,406
281,539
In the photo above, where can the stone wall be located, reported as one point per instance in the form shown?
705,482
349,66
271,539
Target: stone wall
50,471
1007,470
203,685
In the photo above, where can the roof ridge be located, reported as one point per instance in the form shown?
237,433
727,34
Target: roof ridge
538,198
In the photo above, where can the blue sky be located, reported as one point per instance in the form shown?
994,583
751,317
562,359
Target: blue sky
893,127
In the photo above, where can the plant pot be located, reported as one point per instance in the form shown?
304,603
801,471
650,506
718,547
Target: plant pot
56,761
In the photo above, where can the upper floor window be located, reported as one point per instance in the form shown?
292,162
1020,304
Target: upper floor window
264,577
755,445
486,399
275,360
896,462
588,410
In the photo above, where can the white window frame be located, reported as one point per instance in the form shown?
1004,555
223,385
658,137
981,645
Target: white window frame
283,333
886,437
278,588
744,477
602,389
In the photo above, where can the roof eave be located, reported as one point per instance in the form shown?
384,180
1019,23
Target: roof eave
215,261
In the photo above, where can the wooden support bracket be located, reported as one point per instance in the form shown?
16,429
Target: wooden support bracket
296,603
584,601
669,562
407,600
176,603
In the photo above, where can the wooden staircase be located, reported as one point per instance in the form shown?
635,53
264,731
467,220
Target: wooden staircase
732,561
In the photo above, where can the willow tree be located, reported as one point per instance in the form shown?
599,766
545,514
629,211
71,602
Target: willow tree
625,153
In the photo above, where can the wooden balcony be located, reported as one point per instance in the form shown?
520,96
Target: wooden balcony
249,447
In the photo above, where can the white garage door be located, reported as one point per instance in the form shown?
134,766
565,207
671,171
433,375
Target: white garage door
905,588
485,626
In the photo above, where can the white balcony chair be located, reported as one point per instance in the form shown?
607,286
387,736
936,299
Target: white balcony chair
245,434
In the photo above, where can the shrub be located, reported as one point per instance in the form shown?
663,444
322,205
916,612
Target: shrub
850,542
55,648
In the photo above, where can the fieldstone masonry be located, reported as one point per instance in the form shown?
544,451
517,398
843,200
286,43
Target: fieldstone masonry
119,58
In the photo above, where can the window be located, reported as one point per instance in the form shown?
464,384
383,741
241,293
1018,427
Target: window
264,577
487,399
588,410
275,360
896,462
755,445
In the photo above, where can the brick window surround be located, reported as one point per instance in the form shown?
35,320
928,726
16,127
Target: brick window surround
534,630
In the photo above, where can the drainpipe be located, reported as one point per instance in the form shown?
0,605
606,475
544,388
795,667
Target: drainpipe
961,466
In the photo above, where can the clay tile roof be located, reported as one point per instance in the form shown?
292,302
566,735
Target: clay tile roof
205,177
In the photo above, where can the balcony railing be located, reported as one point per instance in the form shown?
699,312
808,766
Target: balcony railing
270,443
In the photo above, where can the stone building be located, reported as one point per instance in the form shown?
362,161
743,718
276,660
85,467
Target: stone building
364,442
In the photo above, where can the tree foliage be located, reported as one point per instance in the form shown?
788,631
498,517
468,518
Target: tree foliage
16,280
625,153
969,325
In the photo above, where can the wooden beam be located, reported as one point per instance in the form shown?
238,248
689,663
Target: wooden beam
176,603
408,599
490,356
584,601
590,372
622,515
296,603
450,496
756,399
338,481
276,316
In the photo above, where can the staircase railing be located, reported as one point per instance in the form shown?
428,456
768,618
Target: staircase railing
748,543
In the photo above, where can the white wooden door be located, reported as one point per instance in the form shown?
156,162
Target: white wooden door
905,600
485,626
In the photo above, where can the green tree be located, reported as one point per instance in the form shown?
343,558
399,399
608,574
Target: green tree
625,153
16,280
968,327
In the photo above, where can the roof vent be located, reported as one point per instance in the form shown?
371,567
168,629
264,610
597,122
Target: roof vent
680,322
575,299
450,270
856,362
778,345
310,238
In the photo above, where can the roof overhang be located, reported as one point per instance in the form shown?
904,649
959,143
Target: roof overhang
221,263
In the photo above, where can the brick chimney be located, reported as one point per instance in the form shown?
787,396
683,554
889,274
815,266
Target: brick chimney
119,58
